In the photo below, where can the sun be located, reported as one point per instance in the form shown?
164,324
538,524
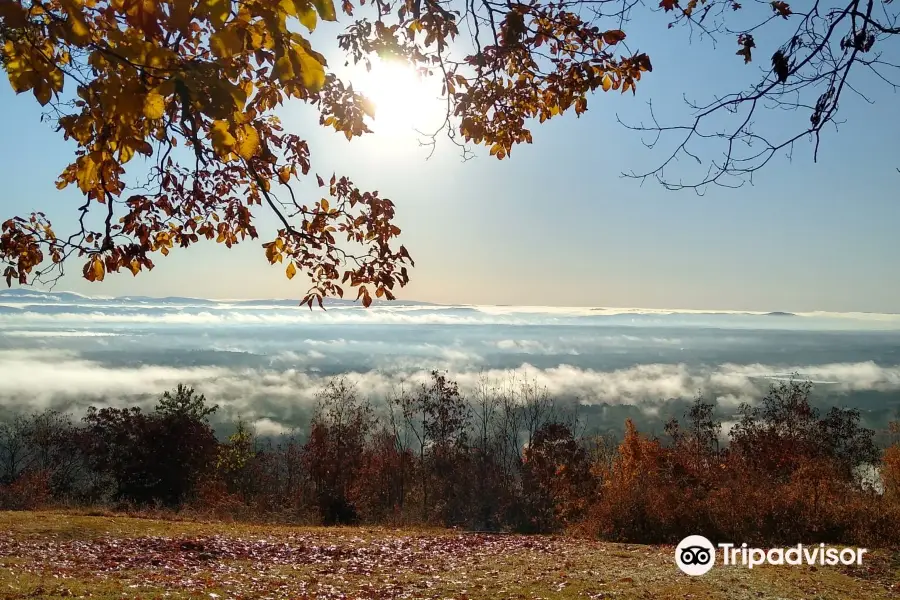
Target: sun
404,101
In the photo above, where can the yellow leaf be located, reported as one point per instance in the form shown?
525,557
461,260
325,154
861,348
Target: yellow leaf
226,43
221,138
311,70
154,106
307,16
159,58
284,175
607,82
291,270
21,80
239,95
81,34
126,152
18,68
289,7
325,8
248,145
216,11
87,173
283,69
42,91
98,269
56,79
135,266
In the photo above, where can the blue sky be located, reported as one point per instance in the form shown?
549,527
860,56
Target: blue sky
556,224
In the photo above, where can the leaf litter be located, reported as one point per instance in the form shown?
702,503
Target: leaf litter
344,563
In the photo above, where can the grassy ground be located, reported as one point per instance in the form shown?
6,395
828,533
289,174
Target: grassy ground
65,555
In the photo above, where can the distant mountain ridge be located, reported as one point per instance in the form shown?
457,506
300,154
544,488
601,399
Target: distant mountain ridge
24,296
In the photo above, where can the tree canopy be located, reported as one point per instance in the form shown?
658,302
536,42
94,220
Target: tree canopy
122,78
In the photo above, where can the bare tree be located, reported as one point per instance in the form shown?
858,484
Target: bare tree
14,451
814,55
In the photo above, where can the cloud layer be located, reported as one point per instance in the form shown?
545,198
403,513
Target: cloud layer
42,379
266,361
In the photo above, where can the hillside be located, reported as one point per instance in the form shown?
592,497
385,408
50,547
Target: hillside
59,555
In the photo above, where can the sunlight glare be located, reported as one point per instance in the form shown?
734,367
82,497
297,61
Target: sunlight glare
404,101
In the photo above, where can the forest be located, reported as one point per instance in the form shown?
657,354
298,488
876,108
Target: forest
491,460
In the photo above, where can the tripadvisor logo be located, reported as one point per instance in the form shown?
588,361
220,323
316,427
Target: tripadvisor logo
696,555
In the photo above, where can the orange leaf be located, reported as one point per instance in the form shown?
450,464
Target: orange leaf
613,36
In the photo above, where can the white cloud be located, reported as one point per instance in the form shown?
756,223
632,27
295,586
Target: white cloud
37,379
42,334
268,427
382,358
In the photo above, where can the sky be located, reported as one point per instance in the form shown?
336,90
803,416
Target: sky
556,224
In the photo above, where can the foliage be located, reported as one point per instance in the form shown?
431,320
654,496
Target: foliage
183,402
235,457
787,474
436,456
193,87
891,465
43,446
785,429
556,478
152,457
209,75
28,491
334,453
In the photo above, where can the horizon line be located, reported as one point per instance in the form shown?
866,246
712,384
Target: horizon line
400,301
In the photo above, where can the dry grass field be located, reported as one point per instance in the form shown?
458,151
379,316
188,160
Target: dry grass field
67,555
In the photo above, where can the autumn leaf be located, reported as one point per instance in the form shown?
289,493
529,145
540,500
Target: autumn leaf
311,70
87,173
97,271
747,44
668,5
42,92
781,8
248,142
325,8
78,29
180,16
216,10
226,42
307,16
154,106
606,82
291,270
222,139
613,36
283,70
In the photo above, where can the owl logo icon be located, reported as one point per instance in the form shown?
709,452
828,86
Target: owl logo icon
695,555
